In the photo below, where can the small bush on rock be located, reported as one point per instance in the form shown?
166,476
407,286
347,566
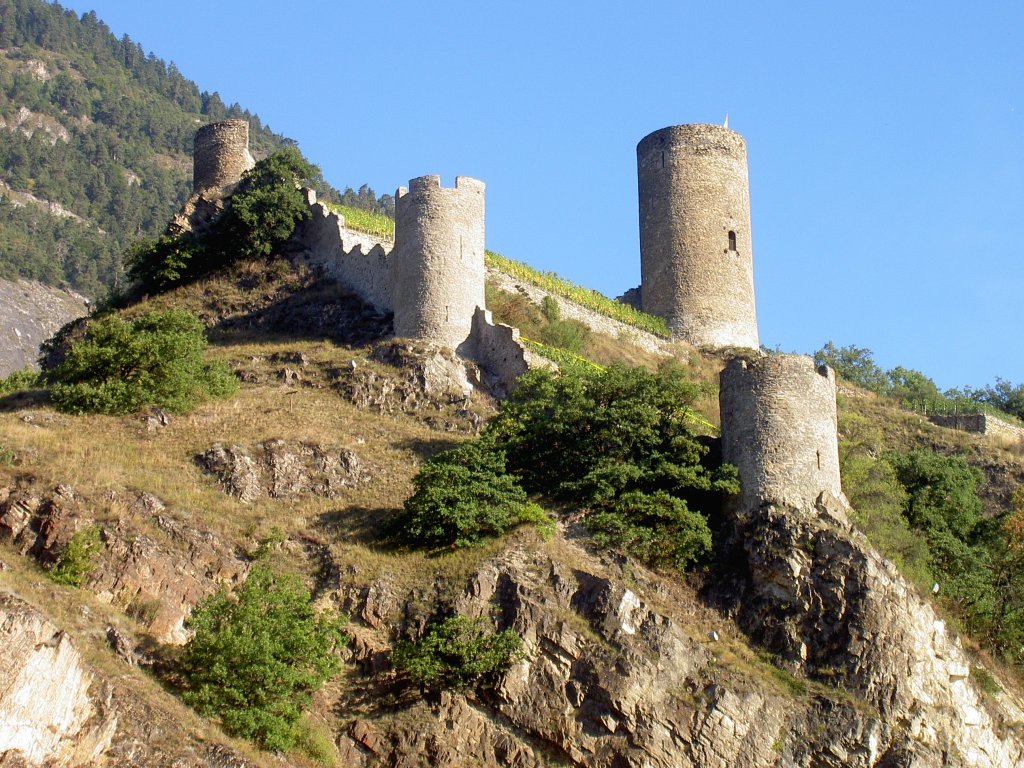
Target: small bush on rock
255,661
122,365
457,653
78,558
463,497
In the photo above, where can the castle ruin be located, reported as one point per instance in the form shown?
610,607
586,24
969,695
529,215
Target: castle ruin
430,278
779,429
696,266
220,155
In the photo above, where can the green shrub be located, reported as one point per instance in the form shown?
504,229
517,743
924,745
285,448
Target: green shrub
462,497
265,207
78,558
255,661
656,527
313,739
155,265
122,365
21,379
457,653
615,442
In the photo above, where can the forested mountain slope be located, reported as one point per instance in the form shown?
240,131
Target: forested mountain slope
97,139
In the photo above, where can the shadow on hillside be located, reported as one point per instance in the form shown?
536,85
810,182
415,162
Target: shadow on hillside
321,311
22,399
367,526
427,448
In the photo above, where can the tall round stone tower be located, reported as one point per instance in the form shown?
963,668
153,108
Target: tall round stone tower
221,155
438,259
779,429
696,267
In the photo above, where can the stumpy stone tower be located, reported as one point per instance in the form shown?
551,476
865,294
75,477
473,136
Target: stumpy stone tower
221,155
438,260
779,429
696,266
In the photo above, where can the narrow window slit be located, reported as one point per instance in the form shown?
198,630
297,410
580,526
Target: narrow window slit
732,240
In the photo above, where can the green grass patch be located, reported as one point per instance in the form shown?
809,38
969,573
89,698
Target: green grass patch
376,224
584,297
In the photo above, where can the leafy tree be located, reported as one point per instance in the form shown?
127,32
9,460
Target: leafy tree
155,265
122,365
457,652
255,661
266,206
853,364
910,386
617,443
464,496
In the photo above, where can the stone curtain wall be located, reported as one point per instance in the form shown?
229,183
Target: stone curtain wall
438,262
221,154
693,192
779,428
357,259
982,423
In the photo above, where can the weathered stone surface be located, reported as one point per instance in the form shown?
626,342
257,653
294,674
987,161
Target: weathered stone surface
52,712
696,266
157,579
221,154
30,313
284,469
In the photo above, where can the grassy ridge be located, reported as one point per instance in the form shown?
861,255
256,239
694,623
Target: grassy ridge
382,226
585,297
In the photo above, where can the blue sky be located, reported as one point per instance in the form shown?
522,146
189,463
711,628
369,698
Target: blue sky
885,139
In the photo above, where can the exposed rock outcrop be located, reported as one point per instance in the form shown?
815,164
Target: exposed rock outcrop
284,470
833,608
151,564
30,313
52,710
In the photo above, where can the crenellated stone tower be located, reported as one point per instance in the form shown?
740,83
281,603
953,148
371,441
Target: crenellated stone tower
696,266
437,265
779,429
221,155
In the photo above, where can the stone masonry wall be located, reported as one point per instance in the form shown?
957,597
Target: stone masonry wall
982,423
438,261
357,259
693,193
779,428
221,154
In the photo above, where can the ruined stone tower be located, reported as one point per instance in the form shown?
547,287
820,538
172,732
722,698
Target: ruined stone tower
779,429
221,155
438,260
695,256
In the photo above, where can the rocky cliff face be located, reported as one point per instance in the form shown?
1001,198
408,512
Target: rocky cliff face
52,710
624,669
833,609
30,313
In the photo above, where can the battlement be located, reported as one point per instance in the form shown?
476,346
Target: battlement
696,264
779,428
221,155
694,138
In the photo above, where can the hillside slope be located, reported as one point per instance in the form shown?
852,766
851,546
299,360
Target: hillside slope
623,666
97,137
